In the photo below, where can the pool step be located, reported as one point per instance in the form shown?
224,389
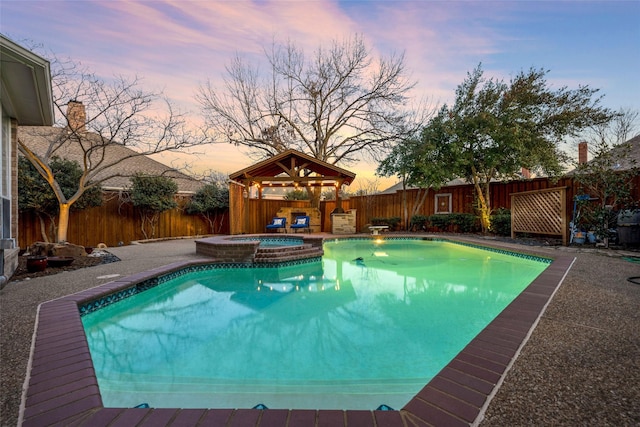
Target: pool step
287,253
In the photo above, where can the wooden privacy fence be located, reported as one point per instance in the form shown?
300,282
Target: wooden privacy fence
540,212
462,200
116,222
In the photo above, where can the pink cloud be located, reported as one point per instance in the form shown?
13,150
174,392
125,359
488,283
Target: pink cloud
177,44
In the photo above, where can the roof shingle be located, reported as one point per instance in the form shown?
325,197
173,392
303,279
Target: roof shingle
125,161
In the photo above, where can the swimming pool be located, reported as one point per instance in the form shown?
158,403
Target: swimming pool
326,320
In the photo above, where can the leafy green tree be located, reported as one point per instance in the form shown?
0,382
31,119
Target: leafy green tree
37,196
210,202
608,177
328,195
399,162
152,195
418,163
296,194
496,128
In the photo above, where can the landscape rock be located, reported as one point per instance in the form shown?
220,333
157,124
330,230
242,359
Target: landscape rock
57,249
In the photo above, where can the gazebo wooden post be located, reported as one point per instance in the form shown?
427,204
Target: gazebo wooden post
245,198
338,198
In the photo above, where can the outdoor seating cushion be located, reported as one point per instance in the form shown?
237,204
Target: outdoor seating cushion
277,222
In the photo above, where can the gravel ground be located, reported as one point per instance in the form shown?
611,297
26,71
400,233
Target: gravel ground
581,365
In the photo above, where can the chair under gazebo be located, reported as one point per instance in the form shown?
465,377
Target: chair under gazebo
250,211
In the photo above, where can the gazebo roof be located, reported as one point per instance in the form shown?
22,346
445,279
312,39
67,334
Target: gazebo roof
293,167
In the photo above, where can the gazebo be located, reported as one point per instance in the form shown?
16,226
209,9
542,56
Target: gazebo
290,168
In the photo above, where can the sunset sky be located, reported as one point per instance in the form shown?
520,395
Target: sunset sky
177,45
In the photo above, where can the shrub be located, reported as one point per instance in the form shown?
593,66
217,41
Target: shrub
467,223
392,222
209,201
297,195
440,221
501,222
152,195
459,222
419,222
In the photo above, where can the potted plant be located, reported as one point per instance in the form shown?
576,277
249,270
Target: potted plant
36,263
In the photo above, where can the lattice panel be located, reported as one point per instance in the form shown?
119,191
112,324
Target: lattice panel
539,212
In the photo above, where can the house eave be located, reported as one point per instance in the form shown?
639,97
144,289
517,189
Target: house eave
25,80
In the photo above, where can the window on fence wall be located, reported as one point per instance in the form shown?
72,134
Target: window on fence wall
443,203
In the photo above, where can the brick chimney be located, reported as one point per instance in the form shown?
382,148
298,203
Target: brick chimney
526,173
76,116
583,152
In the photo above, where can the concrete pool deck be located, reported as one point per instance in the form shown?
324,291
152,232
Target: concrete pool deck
594,309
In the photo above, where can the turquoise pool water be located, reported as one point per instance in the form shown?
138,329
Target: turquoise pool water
272,241
371,324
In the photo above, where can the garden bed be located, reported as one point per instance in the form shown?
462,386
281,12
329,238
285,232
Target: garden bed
97,258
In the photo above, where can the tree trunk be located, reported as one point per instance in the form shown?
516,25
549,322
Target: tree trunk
405,208
211,223
153,222
314,196
484,207
420,199
43,229
143,222
221,223
484,202
63,222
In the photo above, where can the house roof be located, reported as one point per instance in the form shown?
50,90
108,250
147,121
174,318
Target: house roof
398,186
626,155
628,159
126,162
25,85
294,167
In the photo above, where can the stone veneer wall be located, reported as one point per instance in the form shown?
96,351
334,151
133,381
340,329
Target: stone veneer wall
344,223
314,214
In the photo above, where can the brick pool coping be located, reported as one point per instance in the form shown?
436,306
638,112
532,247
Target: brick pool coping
62,389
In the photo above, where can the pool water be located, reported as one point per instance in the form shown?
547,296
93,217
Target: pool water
271,241
370,324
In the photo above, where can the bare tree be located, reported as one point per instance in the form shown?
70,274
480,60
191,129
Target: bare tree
621,129
367,189
337,105
113,122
